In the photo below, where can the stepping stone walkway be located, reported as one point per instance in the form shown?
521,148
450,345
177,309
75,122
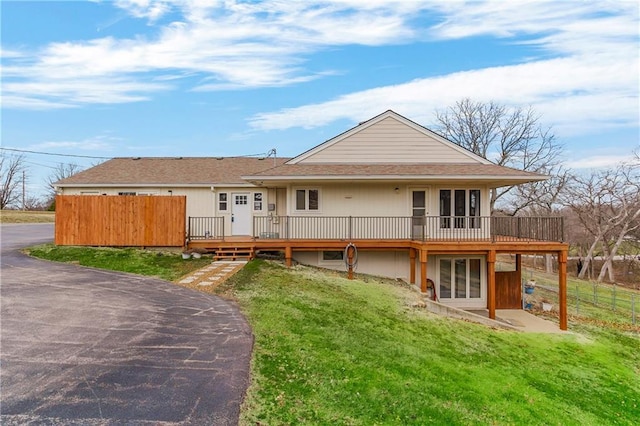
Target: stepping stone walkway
214,274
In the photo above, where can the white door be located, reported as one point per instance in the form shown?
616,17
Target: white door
419,199
240,214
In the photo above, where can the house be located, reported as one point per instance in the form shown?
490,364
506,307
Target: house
409,203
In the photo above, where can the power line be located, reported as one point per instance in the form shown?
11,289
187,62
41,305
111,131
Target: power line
59,155
262,154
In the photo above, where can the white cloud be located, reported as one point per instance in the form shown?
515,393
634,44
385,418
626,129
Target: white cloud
575,94
586,74
151,9
102,143
598,162
228,44
590,81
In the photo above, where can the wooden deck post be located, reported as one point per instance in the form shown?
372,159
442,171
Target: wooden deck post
287,256
562,284
423,271
350,251
412,266
491,283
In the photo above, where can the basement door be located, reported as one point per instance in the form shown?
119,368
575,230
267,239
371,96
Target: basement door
240,214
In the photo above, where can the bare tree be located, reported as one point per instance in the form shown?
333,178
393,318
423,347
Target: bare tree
507,137
62,171
607,205
32,203
11,168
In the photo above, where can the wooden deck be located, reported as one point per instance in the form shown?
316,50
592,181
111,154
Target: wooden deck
498,245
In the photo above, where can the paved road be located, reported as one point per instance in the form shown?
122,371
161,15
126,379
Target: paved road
82,346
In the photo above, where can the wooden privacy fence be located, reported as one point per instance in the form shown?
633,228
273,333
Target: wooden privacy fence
120,220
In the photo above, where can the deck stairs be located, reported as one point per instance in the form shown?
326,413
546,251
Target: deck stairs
233,253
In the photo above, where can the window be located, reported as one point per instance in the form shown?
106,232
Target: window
460,278
126,193
257,201
419,203
445,278
445,208
241,200
460,207
307,199
474,208
332,255
464,214
222,201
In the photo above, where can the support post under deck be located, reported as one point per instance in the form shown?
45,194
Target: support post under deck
491,283
562,287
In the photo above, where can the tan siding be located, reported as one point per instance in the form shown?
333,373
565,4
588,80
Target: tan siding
281,201
200,201
378,199
390,264
389,141
356,200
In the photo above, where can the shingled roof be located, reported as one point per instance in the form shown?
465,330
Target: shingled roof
489,173
171,171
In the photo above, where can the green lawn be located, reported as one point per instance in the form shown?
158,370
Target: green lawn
167,265
329,350
590,300
333,351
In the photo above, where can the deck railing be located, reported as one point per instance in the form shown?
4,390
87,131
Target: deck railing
205,228
430,228
529,228
449,228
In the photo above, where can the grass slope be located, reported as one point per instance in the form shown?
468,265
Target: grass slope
167,265
18,216
329,350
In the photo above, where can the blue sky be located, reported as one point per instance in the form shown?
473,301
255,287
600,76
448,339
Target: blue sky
211,78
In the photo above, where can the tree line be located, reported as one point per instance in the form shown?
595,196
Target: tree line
602,206
13,180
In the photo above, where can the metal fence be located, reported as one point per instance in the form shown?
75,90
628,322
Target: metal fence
596,301
530,228
448,228
205,228
611,298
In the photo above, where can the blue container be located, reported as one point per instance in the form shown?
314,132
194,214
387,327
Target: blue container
528,290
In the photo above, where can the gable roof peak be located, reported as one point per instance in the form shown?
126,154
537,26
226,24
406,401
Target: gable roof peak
407,135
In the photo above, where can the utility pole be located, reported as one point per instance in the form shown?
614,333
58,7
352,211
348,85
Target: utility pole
23,191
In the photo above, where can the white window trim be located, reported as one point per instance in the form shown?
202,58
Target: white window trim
428,201
480,302
226,202
253,201
306,210
323,262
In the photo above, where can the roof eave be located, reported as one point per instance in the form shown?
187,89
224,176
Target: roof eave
150,185
510,180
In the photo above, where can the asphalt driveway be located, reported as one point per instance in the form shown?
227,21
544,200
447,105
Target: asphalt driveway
83,346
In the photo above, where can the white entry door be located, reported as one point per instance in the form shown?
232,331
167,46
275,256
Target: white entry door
240,214
419,200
